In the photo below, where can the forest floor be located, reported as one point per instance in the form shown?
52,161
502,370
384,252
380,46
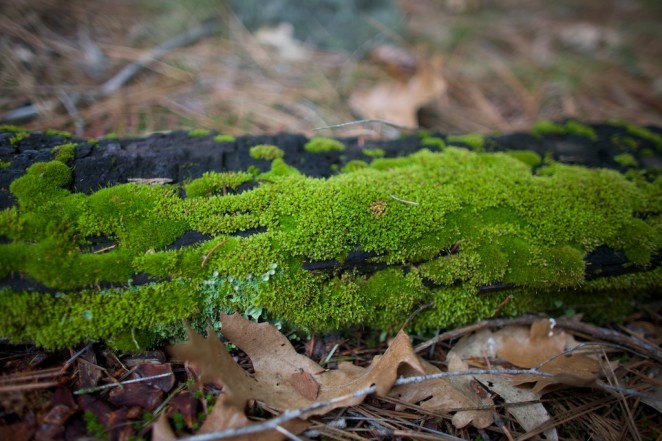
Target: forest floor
95,68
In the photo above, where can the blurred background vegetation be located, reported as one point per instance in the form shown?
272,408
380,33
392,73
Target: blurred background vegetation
248,67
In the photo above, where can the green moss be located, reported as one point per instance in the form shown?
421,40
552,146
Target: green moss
224,138
60,133
198,133
64,152
324,145
475,141
354,165
20,136
217,183
373,152
432,141
11,128
92,141
4,164
441,224
266,152
626,160
545,127
643,133
526,156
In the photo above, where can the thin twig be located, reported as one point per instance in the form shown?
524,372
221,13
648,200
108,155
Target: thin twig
184,39
289,415
402,200
88,390
217,246
366,121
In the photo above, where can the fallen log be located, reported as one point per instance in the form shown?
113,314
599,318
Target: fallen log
121,239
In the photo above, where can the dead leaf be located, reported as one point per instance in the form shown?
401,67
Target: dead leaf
305,384
283,378
398,101
447,395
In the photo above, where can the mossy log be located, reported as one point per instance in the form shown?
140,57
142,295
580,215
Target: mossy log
121,239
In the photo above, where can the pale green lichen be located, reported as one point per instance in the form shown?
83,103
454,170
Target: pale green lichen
266,152
502,223
324,145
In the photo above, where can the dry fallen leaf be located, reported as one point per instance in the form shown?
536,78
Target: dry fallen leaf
397,101
283,379
447,395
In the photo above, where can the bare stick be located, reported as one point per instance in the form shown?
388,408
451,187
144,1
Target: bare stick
184,39
366,121
402,200
88,390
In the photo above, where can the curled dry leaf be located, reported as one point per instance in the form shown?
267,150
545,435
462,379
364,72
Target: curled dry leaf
398,101
283,379
447,395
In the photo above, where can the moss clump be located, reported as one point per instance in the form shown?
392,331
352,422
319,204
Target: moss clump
643,133
546,127
4,164
266,152
18,137
324,145
217,183
11,128
353,165
374,152
439,225
198,133
64,152
432,141
224,138
60,133
475,141
626,160
528,157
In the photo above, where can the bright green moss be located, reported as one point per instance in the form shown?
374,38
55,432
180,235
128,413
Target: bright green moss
64,152
354,165
626,160
643,133
432,141
279,169
266,152
443,223
18,137
475,141
4,164
324,145
11,128
374,152
60,133
224,138
198,133
217,183
526,156
546,127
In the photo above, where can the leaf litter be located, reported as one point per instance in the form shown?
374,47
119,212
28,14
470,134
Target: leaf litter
297,389
519,378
